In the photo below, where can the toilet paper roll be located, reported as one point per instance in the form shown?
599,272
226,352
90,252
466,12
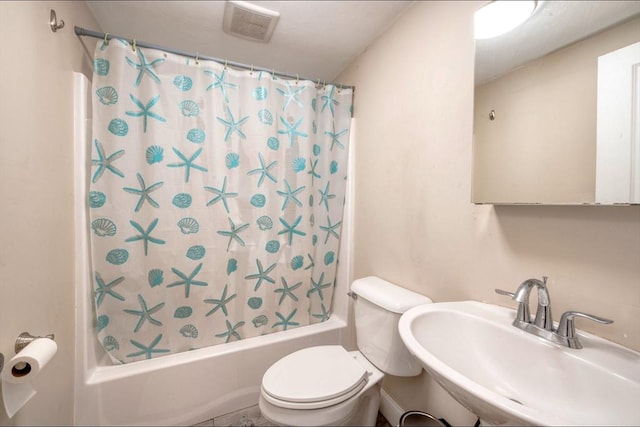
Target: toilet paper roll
18,373
28,363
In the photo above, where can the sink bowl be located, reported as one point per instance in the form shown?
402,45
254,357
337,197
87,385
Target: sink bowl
507,376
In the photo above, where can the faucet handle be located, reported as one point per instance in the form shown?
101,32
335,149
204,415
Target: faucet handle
506,293
567,329
522,314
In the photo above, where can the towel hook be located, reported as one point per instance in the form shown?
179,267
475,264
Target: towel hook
53,22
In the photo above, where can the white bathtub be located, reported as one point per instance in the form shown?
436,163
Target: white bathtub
186,388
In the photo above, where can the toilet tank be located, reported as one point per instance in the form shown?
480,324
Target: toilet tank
378,307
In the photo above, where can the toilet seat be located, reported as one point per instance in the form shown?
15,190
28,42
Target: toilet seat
313,378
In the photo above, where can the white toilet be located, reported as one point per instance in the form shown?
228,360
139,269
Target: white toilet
328,385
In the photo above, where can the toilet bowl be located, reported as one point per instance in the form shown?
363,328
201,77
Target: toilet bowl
328,385
342,386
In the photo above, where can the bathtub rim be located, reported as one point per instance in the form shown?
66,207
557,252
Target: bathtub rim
100,374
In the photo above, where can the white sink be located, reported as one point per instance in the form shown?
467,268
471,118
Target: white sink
507,376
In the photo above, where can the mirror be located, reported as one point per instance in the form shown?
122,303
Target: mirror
536,115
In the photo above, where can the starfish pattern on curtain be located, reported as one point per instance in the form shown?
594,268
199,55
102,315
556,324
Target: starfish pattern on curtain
216,201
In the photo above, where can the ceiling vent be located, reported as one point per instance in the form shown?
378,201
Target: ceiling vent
249,21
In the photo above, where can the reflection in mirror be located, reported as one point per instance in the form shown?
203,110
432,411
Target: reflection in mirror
541,81
618,126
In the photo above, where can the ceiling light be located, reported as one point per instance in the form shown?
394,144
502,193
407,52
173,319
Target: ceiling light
501,16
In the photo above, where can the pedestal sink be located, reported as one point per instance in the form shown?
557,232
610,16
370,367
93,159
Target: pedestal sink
507,376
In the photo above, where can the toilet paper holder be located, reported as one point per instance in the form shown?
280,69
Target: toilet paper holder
25,338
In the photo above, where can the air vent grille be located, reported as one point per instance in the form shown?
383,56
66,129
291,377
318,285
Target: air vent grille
249,21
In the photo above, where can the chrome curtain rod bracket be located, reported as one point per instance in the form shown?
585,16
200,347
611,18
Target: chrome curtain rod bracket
79,31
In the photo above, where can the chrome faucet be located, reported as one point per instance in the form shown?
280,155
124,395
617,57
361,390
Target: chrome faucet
543,317
543,312
543,326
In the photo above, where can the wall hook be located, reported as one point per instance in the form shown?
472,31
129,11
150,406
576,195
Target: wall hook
492,115
53,22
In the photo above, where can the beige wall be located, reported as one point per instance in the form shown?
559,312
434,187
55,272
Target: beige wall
36,192
414,222
544,134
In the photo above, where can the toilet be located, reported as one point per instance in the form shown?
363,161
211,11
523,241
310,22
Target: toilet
328,385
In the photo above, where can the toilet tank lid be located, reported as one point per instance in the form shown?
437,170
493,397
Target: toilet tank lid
387,295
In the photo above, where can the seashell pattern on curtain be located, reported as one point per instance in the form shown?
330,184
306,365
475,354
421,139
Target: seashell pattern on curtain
216,201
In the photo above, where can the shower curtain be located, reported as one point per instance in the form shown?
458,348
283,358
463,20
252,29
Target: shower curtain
216,201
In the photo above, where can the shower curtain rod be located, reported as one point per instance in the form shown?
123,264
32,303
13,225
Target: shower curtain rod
107,36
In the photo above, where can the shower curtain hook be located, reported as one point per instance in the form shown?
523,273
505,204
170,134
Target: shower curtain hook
225,64
197,62
251,72
297,78
273,73
133,46
106,39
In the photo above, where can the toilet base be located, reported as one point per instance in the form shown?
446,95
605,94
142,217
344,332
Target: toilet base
360,410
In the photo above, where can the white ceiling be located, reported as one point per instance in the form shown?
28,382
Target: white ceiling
553,25
318,39
315,39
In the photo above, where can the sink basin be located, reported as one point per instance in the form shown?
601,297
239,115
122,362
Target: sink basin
507,376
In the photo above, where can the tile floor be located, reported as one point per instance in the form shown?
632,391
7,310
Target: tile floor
382,421
251,416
